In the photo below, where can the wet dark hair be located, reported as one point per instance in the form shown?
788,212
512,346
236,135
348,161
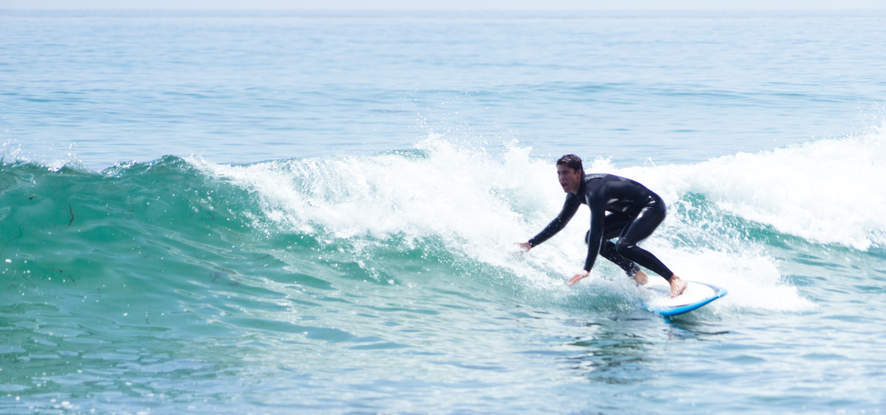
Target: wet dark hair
572,161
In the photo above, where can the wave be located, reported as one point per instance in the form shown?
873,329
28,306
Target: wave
824,191
443,209
477,204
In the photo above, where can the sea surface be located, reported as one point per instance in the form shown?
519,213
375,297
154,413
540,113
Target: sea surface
315,212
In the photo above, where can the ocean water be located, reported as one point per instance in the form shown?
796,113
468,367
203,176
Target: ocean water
311,212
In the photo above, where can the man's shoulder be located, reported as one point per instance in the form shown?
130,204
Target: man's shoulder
596,176
594,183
600,178
601,184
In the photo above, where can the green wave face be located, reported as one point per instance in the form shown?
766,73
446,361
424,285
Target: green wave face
170,278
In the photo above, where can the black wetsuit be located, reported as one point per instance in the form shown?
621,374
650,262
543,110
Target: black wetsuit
620,208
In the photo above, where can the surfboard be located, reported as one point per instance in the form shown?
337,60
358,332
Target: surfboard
696,295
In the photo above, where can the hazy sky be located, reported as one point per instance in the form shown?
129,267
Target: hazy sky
451,4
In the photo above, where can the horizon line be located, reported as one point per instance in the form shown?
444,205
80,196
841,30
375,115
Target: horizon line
490,9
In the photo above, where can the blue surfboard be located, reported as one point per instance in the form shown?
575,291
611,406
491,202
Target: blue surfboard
696,295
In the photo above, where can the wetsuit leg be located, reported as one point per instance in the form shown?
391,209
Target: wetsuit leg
642,226
608,251
614,226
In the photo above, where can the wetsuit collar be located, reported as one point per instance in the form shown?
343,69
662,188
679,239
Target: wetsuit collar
582,186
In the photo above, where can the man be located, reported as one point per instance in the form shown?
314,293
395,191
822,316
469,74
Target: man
620,208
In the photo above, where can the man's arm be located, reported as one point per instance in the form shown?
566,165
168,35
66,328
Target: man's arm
595,237
595,232
570,206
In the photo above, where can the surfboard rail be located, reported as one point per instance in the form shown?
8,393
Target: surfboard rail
670,311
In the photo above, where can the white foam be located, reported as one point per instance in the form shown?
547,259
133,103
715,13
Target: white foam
826,191
479,205
751,277
12,152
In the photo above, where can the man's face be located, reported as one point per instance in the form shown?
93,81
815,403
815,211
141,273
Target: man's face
570,179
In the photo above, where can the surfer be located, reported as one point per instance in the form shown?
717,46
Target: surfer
620,208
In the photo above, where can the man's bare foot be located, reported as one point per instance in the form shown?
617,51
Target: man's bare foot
641,278
677,286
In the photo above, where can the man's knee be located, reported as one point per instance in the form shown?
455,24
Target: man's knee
624,248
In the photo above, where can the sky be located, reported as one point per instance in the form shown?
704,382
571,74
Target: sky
449,4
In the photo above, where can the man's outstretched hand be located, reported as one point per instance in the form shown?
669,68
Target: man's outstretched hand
578,277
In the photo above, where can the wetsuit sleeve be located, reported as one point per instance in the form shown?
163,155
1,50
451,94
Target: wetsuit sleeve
595,233
569,208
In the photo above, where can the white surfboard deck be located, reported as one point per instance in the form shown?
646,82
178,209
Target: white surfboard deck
696,295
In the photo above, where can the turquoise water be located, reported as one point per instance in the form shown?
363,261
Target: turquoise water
315,212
